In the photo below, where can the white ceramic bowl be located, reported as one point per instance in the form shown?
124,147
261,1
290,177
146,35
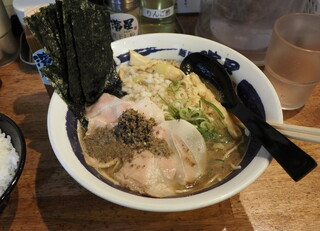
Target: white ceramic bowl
173,46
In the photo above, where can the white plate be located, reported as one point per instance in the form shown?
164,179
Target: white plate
173,46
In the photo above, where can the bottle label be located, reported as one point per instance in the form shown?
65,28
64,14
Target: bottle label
123,25
158,13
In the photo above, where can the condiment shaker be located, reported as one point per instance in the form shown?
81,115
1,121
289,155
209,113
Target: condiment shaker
124,16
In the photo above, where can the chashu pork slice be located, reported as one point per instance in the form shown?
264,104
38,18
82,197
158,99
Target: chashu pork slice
160,176
107,110
148,174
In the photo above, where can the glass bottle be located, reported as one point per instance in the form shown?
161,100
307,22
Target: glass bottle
157,16
124,16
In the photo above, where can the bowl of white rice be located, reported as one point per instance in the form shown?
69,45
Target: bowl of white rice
12,157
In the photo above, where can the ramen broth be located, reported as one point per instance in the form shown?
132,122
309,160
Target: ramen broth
168,136
219,167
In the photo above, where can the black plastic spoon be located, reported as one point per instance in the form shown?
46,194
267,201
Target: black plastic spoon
295,161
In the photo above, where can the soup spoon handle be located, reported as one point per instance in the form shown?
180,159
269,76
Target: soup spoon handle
294,161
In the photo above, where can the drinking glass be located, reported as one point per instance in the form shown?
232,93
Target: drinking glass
244,25
292,61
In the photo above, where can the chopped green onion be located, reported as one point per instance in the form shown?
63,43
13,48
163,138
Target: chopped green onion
210,134
214,107
138,79
172,110
174,86
196,116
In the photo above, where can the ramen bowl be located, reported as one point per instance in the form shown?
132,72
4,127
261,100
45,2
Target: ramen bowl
252,87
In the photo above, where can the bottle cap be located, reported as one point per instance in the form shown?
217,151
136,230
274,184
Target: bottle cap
122,5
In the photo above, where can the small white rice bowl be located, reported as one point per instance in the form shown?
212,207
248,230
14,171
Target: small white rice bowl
249,79
9,160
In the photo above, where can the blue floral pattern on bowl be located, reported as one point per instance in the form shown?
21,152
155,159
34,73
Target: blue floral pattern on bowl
42,59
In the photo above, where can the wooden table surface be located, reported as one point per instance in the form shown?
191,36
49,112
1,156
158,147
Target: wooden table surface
47,198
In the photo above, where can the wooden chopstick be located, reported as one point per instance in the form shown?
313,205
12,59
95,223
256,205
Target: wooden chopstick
298,132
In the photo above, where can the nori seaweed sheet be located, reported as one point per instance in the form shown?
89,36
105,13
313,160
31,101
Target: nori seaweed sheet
76,35
72,61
